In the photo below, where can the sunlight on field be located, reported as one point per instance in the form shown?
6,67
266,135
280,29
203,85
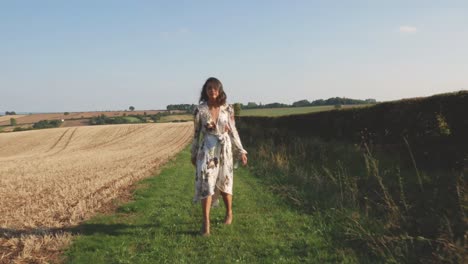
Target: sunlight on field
290,110
6,118
170,118
55,178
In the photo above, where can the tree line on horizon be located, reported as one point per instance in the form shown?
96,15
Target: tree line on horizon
300,103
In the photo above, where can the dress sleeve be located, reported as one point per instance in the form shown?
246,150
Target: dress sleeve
197,132
233,132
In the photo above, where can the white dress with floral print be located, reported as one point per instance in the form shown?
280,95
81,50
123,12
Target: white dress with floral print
212,148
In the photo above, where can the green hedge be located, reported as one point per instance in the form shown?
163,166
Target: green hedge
395,170
436,127
47,124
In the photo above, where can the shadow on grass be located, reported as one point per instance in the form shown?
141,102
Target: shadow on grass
189,233
82,229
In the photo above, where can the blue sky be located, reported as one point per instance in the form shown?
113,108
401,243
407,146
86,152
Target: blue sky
108,55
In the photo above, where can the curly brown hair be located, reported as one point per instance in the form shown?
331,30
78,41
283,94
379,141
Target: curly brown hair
221,99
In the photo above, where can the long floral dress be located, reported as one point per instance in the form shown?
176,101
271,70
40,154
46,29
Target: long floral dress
212,148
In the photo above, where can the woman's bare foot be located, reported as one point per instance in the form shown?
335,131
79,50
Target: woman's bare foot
228,218
205,230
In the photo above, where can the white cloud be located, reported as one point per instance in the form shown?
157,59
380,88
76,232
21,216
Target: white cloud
408,29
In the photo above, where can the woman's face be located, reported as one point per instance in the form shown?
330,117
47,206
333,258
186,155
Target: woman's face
212,90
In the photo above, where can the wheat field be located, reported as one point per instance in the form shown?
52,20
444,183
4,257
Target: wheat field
56,178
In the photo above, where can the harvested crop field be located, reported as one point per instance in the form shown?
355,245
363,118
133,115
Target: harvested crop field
52,179
5,120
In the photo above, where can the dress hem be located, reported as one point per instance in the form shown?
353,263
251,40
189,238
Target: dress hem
213,194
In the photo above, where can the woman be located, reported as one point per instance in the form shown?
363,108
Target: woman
215,132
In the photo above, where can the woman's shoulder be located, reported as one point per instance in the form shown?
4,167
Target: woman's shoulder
200,106
227,106
201,109
203,106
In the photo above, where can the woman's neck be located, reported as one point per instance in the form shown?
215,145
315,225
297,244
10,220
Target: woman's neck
212,103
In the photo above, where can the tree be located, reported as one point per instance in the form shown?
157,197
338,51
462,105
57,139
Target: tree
12,122
237,109
66,113
301,103
131,108
318,102
275,105
47,124
252,105
183,107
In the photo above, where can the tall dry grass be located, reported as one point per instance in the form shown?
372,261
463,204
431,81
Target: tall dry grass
51,180
377,201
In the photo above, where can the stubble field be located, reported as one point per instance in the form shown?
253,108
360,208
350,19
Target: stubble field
54,178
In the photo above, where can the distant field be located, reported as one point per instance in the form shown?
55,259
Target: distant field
33,118
170,118
132,119
55,178
290,110
11,128
26,120
6,119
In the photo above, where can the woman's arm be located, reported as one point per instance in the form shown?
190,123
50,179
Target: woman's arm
196,134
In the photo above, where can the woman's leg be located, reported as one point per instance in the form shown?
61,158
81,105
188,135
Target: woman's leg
206,204
227,198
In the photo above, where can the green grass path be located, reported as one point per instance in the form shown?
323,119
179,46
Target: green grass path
161,225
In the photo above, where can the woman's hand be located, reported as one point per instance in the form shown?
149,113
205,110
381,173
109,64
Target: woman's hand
244,159
227,129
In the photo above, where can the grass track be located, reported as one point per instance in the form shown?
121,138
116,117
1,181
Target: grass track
161,225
